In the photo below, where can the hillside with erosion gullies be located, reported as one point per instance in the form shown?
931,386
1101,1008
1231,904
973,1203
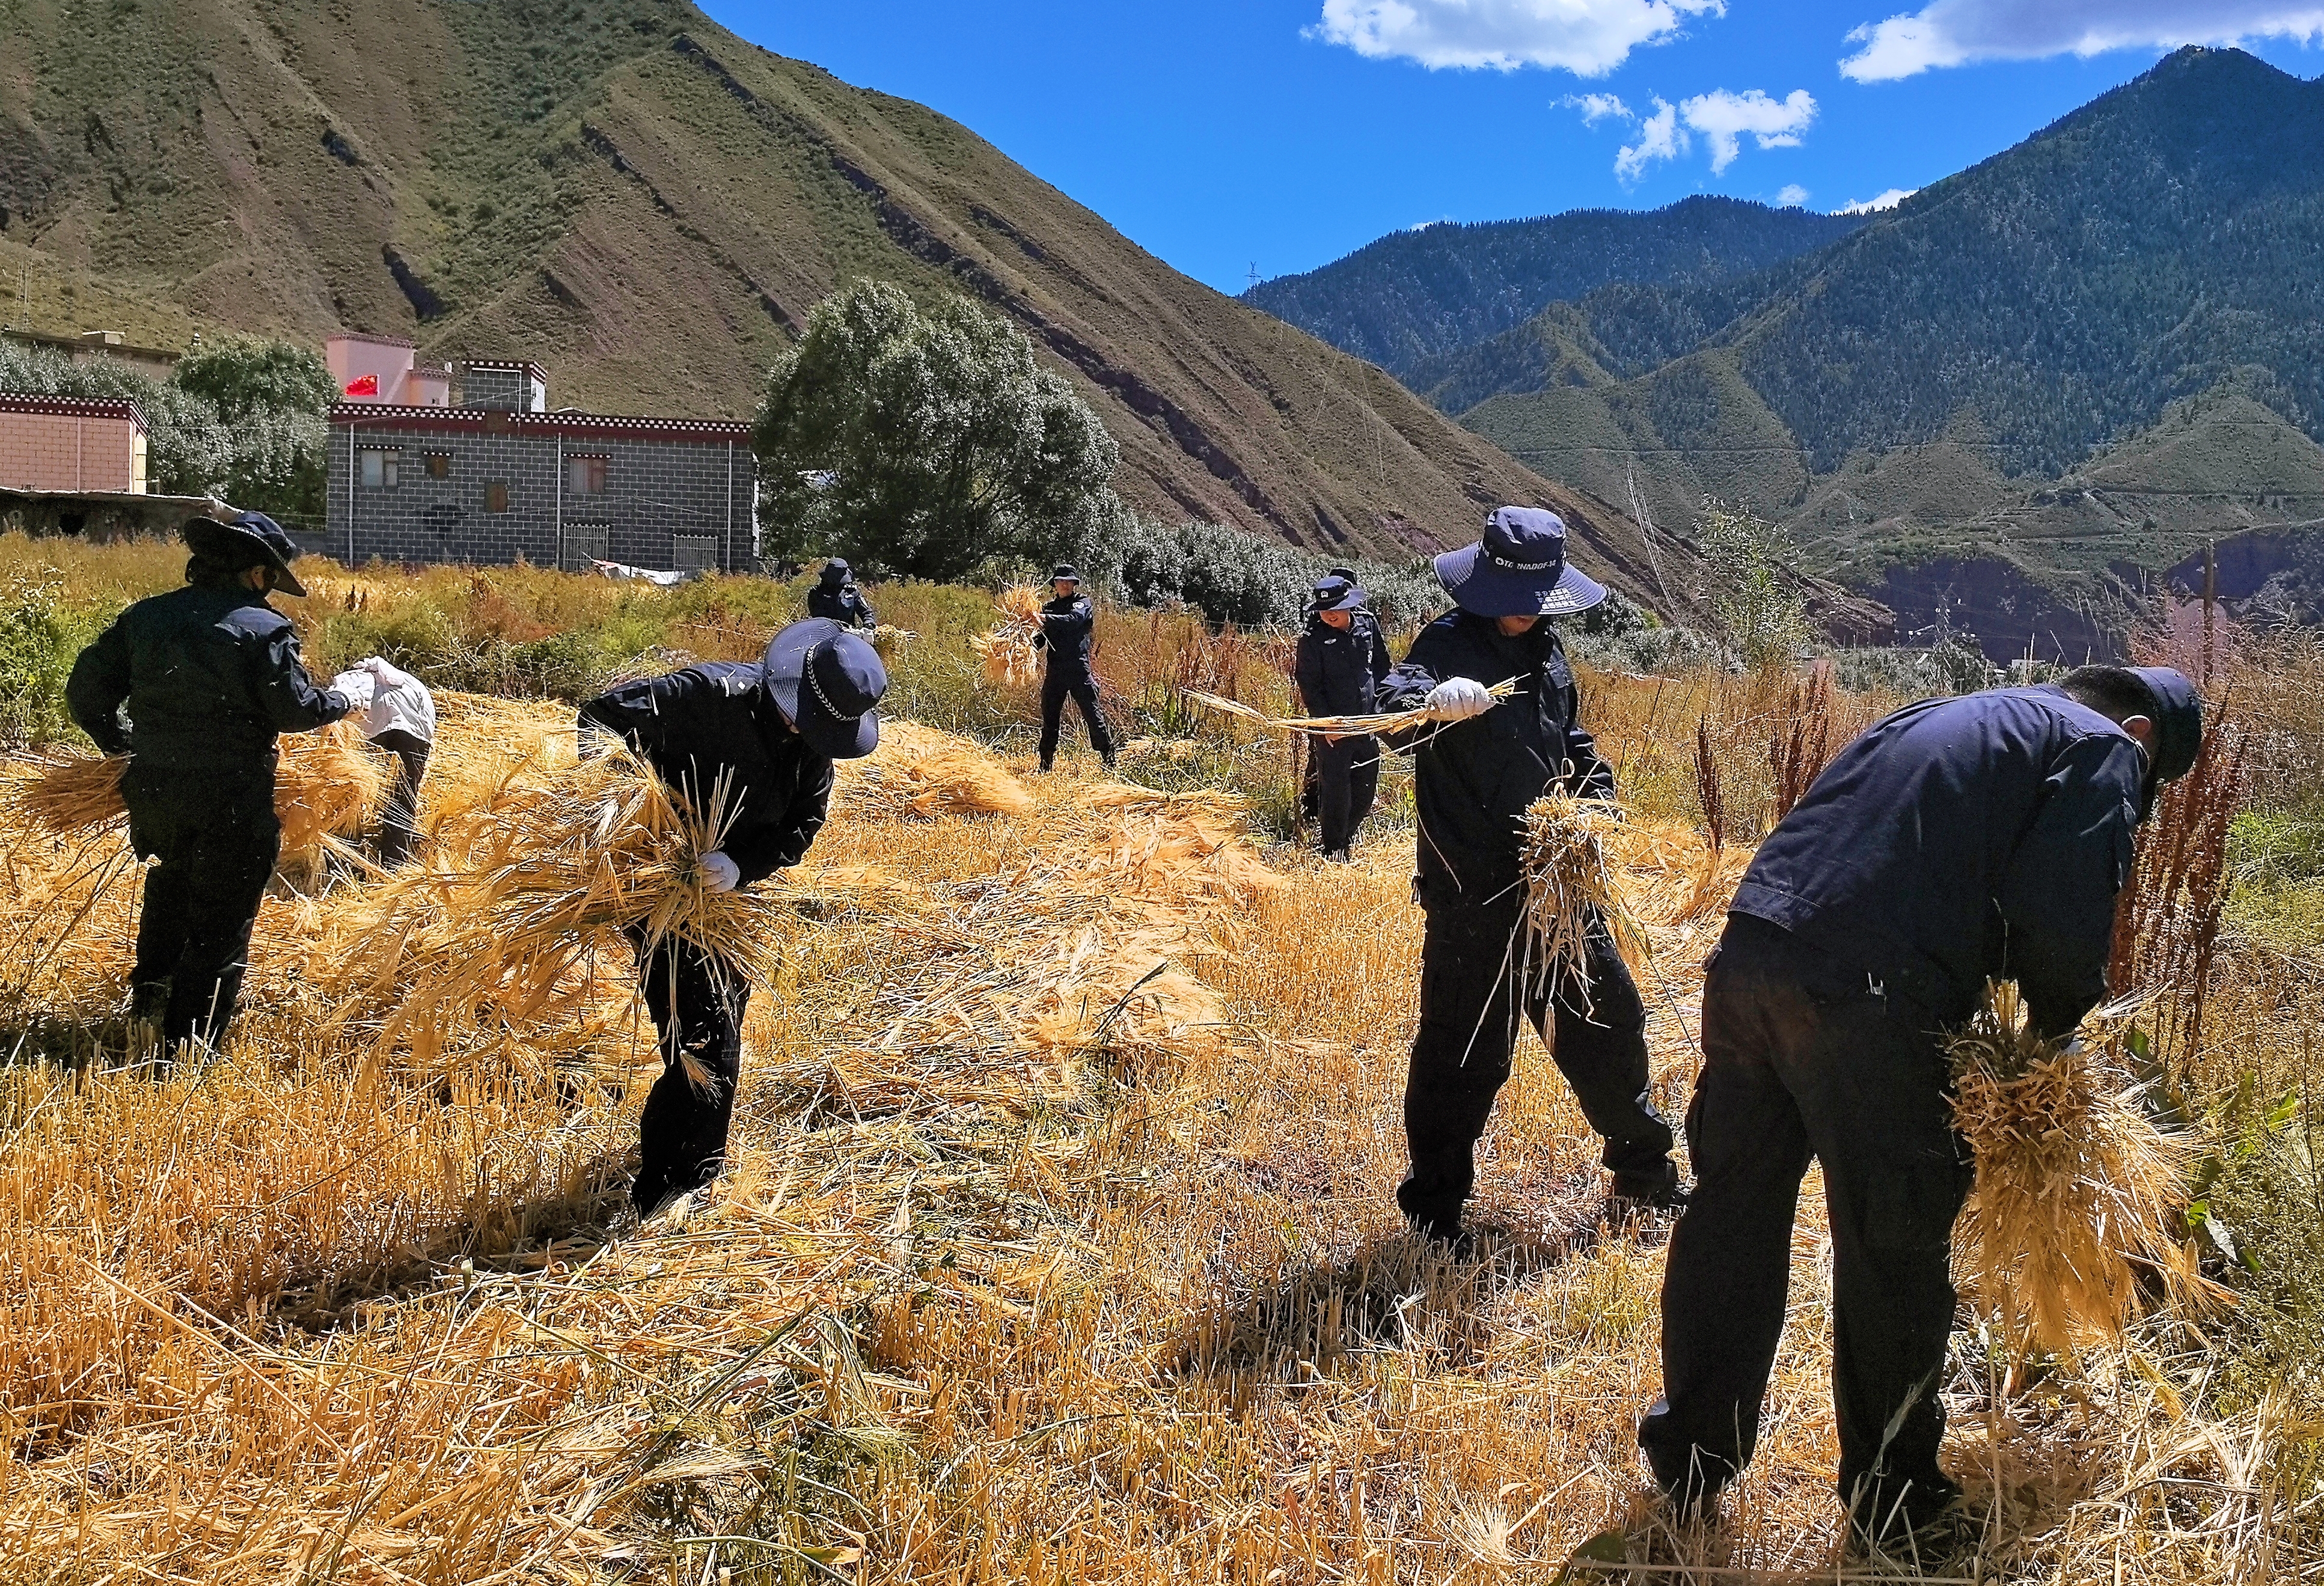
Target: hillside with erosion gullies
2011,404
649,206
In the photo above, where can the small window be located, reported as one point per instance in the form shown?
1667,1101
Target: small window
694,553
584,476
380,468
439,465
496,495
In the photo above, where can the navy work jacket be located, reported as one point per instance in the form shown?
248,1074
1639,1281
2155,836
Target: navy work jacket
1960,839
841,603
210,675
1067,623
1473,779
1339,672
707,722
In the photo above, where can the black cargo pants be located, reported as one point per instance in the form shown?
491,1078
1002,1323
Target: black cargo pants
1469,1007
1056,684
213,838
399,823
1347,782
697,1002
1805,1058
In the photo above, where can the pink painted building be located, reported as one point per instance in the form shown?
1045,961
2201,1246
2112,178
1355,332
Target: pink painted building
71,444
380,369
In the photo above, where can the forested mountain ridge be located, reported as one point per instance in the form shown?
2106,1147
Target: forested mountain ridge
1413,299
649,206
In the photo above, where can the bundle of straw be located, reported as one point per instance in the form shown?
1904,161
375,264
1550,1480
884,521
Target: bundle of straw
1570,890
1011,658
887,640
2077,1190
575,861
919,773
326,785
1397,721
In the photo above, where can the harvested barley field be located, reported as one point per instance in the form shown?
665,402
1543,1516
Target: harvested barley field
1057,1244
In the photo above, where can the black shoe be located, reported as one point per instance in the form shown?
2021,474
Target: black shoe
1042,768
1925,1525
1336,856
1448,1240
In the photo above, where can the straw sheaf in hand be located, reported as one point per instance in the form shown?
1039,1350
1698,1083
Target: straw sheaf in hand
327,784
1395,721
1570,890
2078,1191
574,861
1010,652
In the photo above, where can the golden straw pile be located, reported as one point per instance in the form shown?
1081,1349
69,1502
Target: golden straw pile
564,862
1570,889
327,784
917,773
1011,657
2077,1193
1395,721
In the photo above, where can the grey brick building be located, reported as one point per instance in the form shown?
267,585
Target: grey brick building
497,479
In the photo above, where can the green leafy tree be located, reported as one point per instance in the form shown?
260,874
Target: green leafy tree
925,441
1753,590
244,378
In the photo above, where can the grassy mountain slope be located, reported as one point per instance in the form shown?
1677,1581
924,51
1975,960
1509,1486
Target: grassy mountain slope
649,206
1415,297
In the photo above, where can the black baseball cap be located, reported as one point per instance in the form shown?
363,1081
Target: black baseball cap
827,678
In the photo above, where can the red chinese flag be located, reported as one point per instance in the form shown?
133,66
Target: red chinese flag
367,386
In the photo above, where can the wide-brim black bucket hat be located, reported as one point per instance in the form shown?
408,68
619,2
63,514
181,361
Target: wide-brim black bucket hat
252,533
828,679
1518,569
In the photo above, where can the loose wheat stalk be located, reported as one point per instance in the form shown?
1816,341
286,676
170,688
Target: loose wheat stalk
1570,891
1397,721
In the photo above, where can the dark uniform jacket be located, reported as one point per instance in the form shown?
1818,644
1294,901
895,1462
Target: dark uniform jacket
1339,671
1474,778
841,603
1986,835
695,725
211,676
1067,623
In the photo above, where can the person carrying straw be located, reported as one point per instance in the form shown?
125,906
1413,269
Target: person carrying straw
1477,769
835,597
1068,621
756,741
207,677
400,717
1962,840
1339,662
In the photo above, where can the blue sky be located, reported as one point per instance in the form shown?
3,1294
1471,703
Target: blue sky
1224,134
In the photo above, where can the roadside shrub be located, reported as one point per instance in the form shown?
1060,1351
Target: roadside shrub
40,638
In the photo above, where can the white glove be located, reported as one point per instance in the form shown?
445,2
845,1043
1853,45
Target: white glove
720,873
357,684
1456,699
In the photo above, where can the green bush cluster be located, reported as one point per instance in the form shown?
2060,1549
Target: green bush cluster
41,635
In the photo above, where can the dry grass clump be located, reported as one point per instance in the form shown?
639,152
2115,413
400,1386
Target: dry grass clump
2078,1191
1571,890
1009,653
566,864
1395,721
327,785
919,773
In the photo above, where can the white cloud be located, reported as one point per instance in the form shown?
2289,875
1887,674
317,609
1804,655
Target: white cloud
1948,32
1586,37
1722,118
1792,197
1659,138
1888,201
1596,107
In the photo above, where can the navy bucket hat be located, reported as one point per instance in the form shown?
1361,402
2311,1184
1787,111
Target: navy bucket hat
251,534
1518,569
1338,595
828,679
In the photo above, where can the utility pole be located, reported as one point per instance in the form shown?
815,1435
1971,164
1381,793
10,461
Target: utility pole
1254,273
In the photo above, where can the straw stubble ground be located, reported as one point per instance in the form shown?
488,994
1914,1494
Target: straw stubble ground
1030,1267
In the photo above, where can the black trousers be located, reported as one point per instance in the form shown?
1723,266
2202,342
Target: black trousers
213,839
1803,1056
1347,782
1469,1007
1055,687
399,823
697,1002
